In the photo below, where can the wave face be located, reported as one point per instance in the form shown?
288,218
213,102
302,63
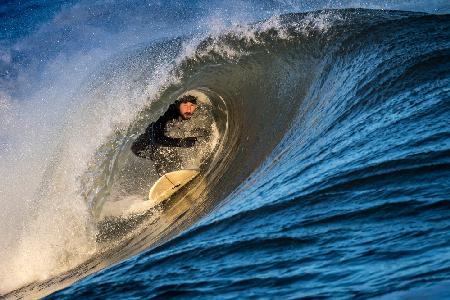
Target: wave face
331,179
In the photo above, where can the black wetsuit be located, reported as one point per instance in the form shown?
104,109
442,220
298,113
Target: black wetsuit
147,144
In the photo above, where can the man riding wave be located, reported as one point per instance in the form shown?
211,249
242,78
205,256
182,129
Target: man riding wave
156,144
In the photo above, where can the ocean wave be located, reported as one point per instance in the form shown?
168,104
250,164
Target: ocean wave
334,161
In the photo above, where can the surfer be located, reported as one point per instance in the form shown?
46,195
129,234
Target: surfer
154,144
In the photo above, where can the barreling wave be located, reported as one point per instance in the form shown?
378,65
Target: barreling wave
333,128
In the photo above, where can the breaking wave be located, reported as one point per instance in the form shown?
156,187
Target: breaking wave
334,155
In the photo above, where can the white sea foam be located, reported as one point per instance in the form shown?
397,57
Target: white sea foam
48,139
54,133
49,133
251,34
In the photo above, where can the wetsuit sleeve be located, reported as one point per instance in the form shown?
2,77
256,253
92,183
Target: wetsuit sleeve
156,130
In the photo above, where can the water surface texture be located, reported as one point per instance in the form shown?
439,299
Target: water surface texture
330,177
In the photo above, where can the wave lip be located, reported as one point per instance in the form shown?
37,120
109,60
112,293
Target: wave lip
333,166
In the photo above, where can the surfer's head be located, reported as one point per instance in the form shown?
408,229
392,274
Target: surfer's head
187,106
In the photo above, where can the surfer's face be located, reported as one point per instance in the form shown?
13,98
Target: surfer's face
187,109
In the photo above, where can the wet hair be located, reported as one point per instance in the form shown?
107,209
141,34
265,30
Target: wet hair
187,98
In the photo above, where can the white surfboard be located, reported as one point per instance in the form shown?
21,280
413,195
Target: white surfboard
170,183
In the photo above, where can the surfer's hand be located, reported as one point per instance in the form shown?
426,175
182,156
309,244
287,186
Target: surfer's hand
188,142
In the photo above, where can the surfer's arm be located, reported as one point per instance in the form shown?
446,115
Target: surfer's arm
157,131
176,142
159,138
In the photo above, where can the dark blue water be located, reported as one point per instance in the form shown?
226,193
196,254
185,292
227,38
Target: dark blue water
334,177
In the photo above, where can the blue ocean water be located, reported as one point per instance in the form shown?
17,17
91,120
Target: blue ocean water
332,179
